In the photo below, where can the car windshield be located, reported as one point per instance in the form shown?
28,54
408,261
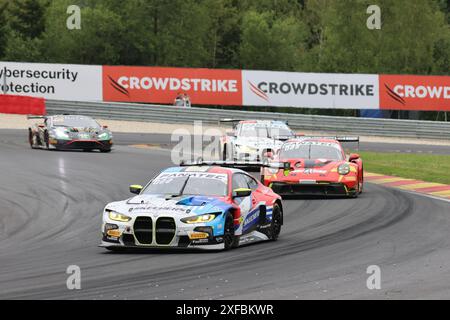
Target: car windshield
254,131
265,130
311,150
75,122
189,183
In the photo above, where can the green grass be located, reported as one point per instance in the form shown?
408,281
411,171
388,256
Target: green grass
430,168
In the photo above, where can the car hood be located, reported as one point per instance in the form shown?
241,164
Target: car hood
319,166
178,206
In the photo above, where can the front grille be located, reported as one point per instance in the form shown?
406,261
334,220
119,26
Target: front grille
330,189
84,145
143,230
165,230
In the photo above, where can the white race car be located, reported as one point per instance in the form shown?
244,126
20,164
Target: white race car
207,207
251,140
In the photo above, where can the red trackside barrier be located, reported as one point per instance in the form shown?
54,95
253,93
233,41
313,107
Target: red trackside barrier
22,105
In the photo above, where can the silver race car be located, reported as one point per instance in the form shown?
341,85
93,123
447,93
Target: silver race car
252,140
69,132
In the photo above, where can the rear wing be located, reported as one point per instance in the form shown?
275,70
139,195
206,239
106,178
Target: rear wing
343,139
32,117
236,164
337,138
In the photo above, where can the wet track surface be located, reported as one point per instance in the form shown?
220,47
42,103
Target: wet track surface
50,215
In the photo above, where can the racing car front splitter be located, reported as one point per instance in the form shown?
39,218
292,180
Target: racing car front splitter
81,144
161,232
313,189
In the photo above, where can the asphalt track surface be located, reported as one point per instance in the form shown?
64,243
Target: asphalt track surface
50,215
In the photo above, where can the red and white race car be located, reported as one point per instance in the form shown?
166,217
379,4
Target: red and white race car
315,166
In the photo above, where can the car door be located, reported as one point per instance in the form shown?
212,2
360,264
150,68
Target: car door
259,210
245,204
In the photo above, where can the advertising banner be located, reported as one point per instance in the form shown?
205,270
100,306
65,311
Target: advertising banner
425,93
310,90
51,81
162,85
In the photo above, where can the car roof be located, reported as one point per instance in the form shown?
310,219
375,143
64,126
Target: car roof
263,122
313,140
70,116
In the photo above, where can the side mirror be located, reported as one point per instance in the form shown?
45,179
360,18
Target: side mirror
353,157
242,193
136,189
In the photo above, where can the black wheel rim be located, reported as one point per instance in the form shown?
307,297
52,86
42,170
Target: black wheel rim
228,233
276,223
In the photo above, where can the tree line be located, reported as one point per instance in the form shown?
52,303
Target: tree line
285,35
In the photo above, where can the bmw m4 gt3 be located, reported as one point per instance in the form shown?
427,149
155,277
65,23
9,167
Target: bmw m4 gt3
207,207
69,132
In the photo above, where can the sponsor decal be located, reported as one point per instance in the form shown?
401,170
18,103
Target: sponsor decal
250,219
406,92
159,209
161,85
311,171
198,235
164,178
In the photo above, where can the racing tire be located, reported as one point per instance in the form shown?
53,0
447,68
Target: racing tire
355,194
275,226
46,140
359,189
362,181
230,241
105,150
224,153
30,139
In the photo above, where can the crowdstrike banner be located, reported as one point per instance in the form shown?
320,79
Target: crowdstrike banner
51,81
162,85
430,93
310,90
225,87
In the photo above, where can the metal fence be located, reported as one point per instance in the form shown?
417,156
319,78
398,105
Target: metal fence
340,125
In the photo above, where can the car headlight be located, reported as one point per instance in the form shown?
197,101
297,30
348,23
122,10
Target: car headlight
201,218
104,136
118,216
343,169
61,134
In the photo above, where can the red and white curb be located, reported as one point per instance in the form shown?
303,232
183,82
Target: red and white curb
427,188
